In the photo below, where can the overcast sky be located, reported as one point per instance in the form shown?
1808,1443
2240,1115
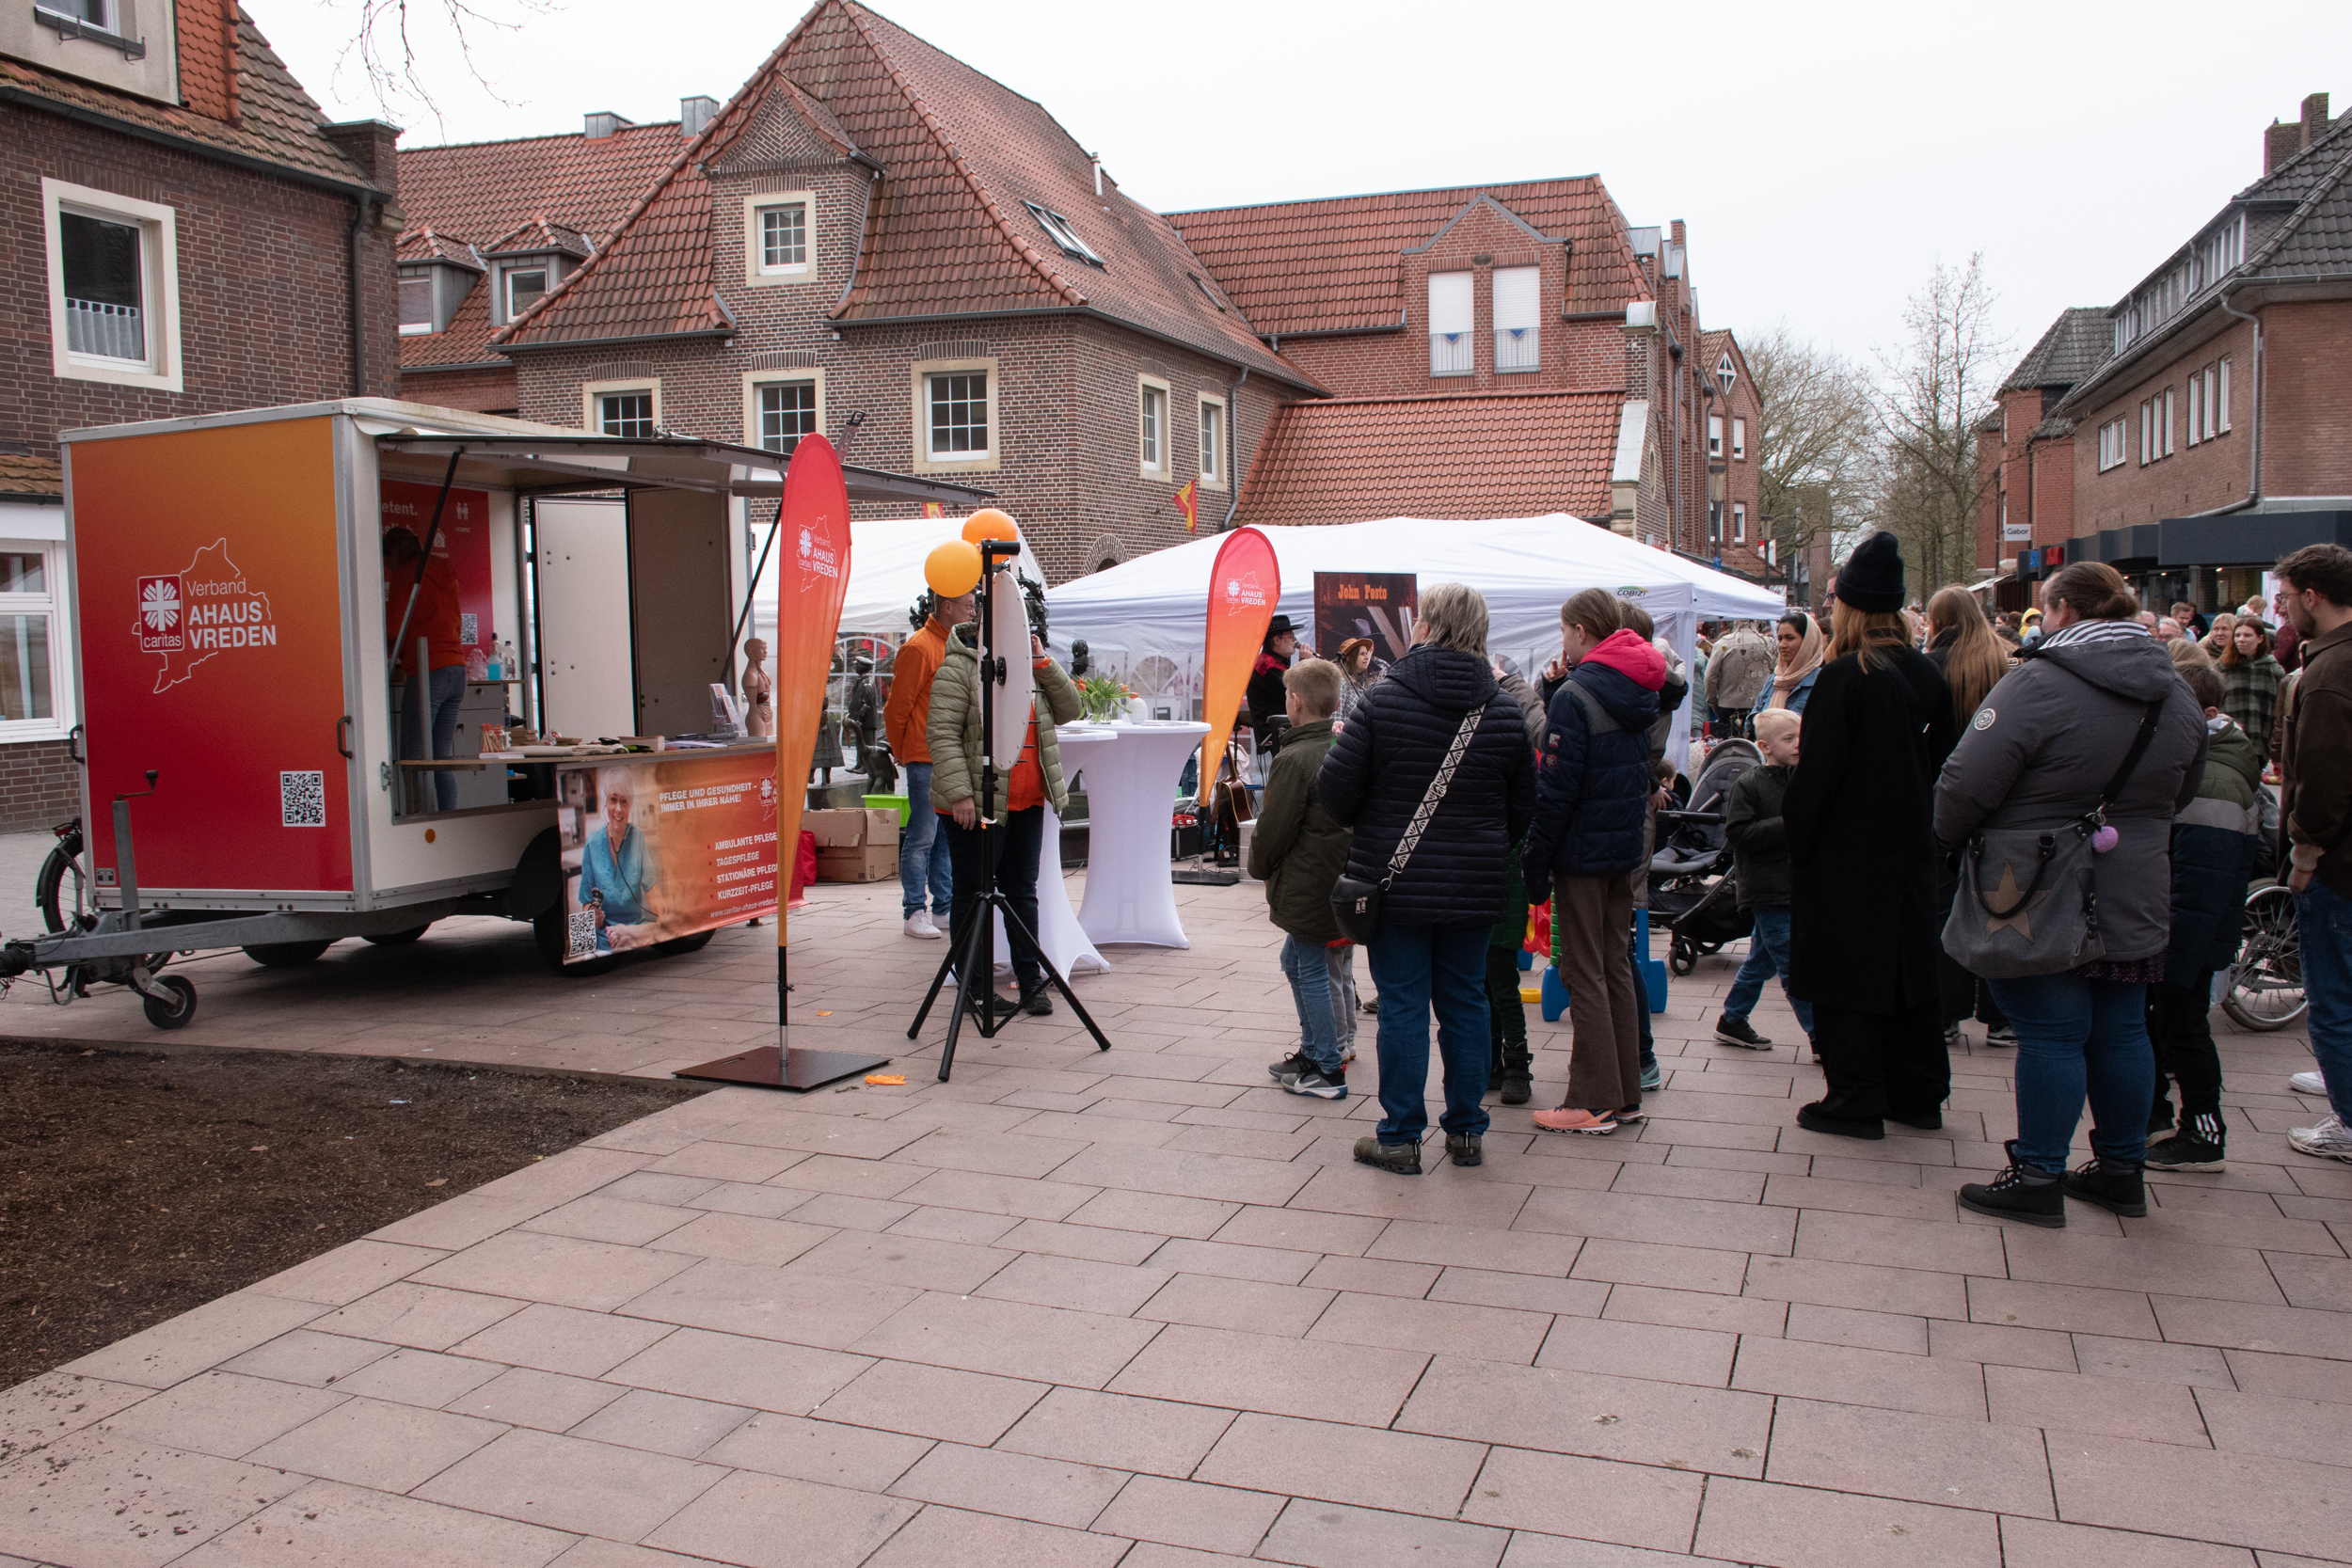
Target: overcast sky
1825,156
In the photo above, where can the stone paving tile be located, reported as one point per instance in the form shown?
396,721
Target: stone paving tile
371,1443
176,1350
1867,1377
1251,1306
225,1414
2294,1330
940,1535
2295,1376
1412,1324
832,1452
663,1423
348,1272
1849,1325
2041,1544
1925,1459
1868,1287
2075,1309
2312,1430
1633,1505
933,1401
1043,1280
1285,1377
351,1526
1599,1417
1185,1513
1010,1339
728,1367
2010,1347
2237,1500
114,1500
565,1483
1666,1267
2120,1407
1329,1535
1346,1463
547,1401
304,1357
777,1522
1018,1485
43,1409
1795,1526
561,1340
1157,1436
1640,1350
1649,1304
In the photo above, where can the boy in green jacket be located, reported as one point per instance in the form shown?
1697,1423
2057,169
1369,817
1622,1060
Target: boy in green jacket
1299,852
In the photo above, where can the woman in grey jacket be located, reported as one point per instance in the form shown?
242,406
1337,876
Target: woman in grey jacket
2036,755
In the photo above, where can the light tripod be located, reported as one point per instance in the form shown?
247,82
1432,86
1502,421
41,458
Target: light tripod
971,952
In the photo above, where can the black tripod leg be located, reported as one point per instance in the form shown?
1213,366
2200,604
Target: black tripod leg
1019,933
964,997
914,1030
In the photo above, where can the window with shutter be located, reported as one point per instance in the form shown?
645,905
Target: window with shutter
1451,318
1518,331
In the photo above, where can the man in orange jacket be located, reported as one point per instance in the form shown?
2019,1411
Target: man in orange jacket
923,867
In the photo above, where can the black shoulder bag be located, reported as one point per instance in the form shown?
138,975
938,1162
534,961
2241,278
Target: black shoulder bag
1355,901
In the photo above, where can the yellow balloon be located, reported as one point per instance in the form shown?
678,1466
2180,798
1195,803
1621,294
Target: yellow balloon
953,569
988,523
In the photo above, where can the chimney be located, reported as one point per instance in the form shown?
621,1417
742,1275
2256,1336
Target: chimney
2315,118
693,113
603,122
2280,143
372,146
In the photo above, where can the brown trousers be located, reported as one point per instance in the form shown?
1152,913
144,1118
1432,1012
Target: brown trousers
1591,918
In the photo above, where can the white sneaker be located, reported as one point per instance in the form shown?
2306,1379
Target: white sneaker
2329,1140
2308,1082
919,925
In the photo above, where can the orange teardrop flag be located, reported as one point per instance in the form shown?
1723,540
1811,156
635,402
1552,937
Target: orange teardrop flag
816,551
1244,586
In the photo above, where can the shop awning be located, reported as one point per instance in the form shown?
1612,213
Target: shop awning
2254,538
550,464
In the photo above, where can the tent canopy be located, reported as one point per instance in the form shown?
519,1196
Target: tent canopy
886,574
1145,619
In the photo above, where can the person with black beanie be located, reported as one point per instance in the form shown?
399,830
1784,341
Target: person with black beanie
1860,821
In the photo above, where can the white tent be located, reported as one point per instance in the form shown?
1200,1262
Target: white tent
1144,619
886,574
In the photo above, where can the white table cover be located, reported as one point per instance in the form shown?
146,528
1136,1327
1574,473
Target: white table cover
1059,933
1131,793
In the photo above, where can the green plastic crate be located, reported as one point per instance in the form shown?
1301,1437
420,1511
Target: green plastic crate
895,802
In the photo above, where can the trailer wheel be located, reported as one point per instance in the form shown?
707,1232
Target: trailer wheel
286,954
399,938
692,942
163,1016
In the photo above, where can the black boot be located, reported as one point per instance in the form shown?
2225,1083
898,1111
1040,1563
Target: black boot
2112,1184
2199,1146
2021,1192
1464,1149
1516,1078
1404,1159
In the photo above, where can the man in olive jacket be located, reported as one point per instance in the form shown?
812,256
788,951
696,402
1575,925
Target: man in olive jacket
1016,833
1299,852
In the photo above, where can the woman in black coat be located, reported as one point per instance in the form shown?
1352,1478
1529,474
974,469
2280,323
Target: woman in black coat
1861,816
1436,914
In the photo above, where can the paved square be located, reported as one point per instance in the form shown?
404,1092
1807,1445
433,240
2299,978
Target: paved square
1138,1308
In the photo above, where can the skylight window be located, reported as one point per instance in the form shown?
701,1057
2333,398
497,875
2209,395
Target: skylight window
1058,230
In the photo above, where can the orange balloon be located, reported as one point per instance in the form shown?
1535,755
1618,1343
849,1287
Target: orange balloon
988,523
953,569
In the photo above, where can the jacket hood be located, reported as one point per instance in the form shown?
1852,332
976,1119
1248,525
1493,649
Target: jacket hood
1447,679
1632,658
2232,748
1633,705
2129,663
962,642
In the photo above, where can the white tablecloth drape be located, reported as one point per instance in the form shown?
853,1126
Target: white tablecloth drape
1131,794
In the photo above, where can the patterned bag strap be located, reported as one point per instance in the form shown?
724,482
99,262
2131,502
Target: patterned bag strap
1428,807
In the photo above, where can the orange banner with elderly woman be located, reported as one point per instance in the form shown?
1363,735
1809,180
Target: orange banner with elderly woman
659,848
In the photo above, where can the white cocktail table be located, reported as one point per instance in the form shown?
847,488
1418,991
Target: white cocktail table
1131,794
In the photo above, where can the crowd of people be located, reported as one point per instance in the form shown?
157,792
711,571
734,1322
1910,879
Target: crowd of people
2043,822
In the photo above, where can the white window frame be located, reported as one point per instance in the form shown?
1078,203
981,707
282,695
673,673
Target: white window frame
1217,460
1726,374
110,14
504,298
1740,439
2196,405
756,272
2112,449
2166,404
159,279
41,531
2222,402
1738,522
1715,434
1460,357
431,323
1531,342
919,385
1152,398
754,381
1063,233
593,393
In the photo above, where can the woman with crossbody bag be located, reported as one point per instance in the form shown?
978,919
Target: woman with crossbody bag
2059,802
1434,773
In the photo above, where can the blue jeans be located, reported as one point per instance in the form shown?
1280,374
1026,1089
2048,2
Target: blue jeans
1418,968
449,691
1767,956
2323,923
2075,1036
923,856
1310,974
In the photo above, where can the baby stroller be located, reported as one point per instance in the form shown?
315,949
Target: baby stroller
1692,889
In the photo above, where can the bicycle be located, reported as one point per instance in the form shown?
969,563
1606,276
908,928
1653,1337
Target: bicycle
2265,983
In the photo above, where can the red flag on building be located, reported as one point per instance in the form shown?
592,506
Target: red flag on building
934,509
1188,503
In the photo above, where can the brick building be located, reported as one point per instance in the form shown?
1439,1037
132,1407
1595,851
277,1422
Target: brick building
1518,347
874,241
188,235
2217,434
2026,449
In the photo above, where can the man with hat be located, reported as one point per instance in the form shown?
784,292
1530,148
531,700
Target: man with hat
1267,699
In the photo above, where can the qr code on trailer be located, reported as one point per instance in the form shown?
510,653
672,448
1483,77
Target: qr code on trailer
467,628
302,799
581,928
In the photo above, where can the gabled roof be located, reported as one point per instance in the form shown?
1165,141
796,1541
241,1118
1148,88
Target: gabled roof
474,192
2077,343
275,121
1498,454
466,340
1332,265
948,233
538,236
418,246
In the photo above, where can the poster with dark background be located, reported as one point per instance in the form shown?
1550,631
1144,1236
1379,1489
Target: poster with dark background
1378,605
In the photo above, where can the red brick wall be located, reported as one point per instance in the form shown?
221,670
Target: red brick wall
263,276
2194,479
39,785
2307,404
491,391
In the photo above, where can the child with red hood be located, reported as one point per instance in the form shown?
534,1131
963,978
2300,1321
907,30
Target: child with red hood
1592,787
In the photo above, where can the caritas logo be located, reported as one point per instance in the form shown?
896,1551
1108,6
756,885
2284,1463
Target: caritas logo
821,555
206,610
1244,590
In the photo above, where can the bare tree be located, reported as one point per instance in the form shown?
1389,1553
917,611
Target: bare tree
385,44
1936,390
1818,431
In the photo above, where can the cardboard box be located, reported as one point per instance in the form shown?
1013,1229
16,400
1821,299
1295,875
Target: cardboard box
870,863
853,828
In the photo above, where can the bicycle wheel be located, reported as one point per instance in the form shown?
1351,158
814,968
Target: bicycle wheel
2265,989
60,888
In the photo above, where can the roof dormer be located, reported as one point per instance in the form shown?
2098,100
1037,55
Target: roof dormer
529,262
435,275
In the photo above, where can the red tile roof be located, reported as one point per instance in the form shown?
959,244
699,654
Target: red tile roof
466,340
948,234
539,234
475,192
277,122
23,475
1496,454
1332,264
424,245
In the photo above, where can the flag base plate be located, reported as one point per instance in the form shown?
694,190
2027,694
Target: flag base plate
800,1070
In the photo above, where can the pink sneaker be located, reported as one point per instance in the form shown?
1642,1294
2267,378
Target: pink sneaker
1566,1120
